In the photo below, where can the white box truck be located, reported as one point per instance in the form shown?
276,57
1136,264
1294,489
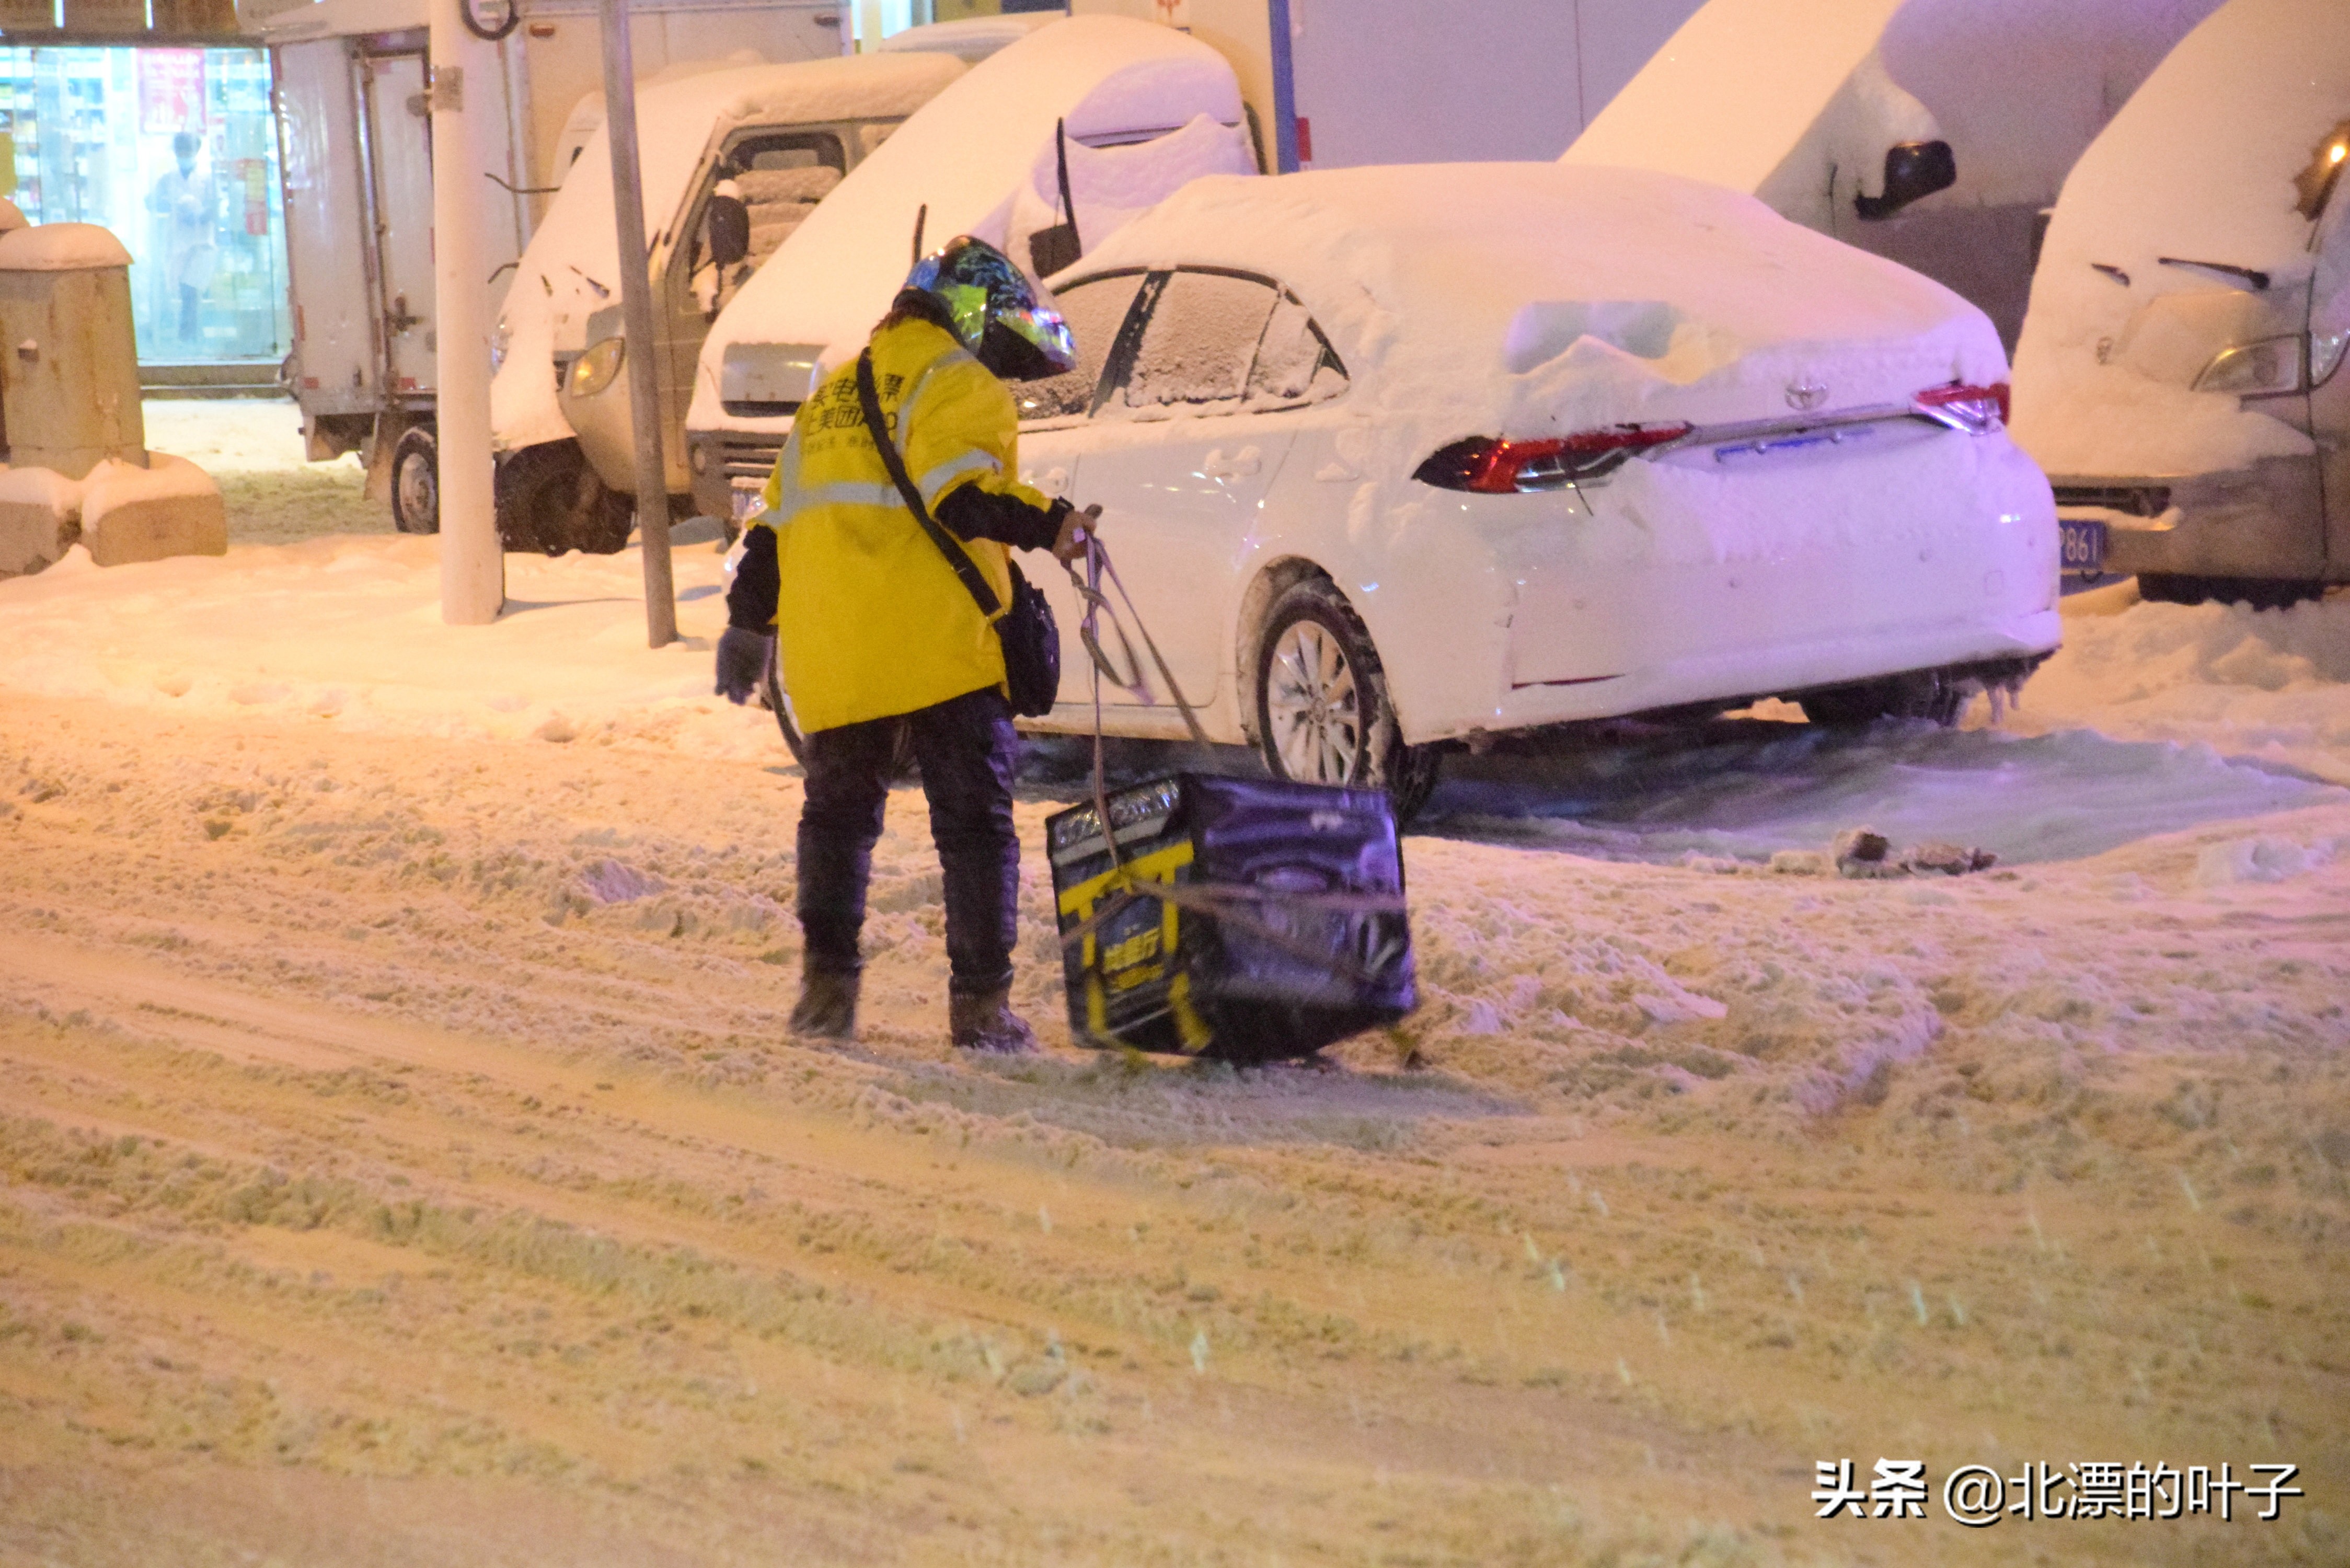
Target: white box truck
358,171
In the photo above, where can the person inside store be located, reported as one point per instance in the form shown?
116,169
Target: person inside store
880,629
189,207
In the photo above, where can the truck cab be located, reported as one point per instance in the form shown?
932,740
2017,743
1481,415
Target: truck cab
732,162
1130,110
2180,376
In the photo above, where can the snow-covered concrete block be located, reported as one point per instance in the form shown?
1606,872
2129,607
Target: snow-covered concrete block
39,517
171,507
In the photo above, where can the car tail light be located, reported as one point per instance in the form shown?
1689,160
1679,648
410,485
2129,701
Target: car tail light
1977,411
1492,466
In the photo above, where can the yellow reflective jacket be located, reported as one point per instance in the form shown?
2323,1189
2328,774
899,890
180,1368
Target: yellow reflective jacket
872,620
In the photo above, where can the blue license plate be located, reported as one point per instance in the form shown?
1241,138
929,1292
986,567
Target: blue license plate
2081,545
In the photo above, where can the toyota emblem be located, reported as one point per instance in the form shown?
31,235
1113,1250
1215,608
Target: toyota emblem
1803,394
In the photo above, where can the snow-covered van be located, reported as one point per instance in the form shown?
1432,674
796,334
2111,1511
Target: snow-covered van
357,175
732,161
1931,133
2180,376
1133,109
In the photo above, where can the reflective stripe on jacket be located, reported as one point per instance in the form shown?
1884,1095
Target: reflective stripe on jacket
871,619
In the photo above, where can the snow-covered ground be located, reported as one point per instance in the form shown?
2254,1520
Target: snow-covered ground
402,1159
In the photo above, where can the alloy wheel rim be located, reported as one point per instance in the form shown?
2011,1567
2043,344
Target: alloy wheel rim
1315,706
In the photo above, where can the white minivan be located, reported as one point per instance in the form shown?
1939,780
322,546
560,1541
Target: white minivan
2180,376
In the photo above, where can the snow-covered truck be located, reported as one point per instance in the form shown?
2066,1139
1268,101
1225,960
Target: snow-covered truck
1134,109
357,173
733,161
1934,133
2181,375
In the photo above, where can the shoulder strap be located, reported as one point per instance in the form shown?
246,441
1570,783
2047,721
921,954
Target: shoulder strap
964,566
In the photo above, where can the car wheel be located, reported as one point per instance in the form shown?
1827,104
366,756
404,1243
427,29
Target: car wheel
1323,714
771,692
1919,695
2255,593
416,481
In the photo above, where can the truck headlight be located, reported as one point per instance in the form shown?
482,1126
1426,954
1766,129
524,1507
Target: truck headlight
593,371
2272,365
500,339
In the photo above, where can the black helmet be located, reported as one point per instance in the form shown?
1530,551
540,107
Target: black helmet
995,310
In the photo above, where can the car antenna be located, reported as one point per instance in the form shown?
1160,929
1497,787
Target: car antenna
921,215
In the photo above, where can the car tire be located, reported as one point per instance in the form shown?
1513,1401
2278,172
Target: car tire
416,480
2255,593
1323,713
1919,695
771,692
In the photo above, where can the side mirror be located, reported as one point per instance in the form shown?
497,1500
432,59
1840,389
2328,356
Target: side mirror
726,224
1912,170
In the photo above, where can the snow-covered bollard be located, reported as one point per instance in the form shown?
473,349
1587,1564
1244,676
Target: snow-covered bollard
79,467
171,507
40,511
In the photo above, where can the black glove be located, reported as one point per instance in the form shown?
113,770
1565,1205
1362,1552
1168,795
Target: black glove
743,656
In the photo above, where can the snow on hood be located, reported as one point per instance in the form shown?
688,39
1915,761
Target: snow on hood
570,270
2200,164
964,158
1522,298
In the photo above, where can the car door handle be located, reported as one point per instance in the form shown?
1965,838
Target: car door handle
1243,464
1052,481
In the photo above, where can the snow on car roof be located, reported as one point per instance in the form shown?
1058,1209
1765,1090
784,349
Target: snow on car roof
1513,293
2200,163
970,39
962,157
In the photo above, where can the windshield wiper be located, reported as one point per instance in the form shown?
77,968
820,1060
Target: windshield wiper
2257,279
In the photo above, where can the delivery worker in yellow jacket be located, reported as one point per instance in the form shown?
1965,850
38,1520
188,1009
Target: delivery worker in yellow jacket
875,632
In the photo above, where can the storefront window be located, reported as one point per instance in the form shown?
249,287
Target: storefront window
173,149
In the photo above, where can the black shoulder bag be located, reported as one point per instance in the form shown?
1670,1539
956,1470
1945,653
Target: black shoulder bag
1031,643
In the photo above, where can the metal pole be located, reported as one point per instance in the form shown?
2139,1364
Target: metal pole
473,564
644,352
1284,90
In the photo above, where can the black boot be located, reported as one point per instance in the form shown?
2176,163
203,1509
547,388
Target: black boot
984,1020
827,1006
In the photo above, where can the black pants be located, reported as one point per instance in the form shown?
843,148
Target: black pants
968,752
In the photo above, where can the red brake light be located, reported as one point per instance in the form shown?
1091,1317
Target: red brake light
1490,466
1977,411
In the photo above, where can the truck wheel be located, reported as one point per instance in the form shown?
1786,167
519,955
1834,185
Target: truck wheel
1323,715
771,692
1919,695
416,481
550,501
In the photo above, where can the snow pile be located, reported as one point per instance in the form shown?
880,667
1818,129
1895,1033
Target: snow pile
60,247
121,511
2267,858
569,273
2200,164
2270,684
1653,297
961,159
349,629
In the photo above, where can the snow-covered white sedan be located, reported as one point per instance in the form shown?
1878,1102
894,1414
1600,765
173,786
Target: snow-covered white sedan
1399,458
